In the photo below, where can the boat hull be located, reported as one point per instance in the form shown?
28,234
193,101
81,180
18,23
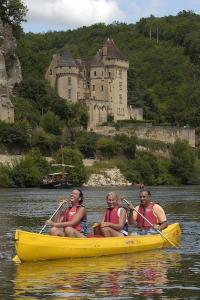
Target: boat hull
56,185
34,247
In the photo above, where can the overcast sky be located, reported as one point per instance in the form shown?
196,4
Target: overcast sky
45,15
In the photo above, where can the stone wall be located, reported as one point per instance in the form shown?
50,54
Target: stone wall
165,134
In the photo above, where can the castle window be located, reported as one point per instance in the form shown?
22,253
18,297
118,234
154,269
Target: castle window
102,73
120,74
109,74
93,87
69,93
120,98
95,73
50,72
102,88
69,81
120,86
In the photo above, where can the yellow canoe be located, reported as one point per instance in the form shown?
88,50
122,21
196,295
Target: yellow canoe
34,246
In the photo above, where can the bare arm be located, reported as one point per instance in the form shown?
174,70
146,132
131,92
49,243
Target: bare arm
161,217
77,217
120,225
133,214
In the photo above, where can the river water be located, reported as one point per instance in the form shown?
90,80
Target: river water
161,274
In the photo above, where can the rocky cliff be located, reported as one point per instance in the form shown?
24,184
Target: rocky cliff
10,71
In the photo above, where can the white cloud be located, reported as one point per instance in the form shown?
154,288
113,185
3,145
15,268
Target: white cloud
149,7
73,13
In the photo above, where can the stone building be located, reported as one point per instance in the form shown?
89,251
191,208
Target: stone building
100,84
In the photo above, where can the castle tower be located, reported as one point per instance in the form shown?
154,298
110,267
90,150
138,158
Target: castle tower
63,75
116,66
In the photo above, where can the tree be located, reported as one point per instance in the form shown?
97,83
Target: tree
107,147
13,12
182,161
28,171
86,142
72,157
51,123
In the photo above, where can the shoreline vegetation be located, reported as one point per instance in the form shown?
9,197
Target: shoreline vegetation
116,161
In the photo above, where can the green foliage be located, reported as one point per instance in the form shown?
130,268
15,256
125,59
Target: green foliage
15,136
182,161
86,143
5,179
46,143
163,77
26,111
128,145
72,157
12,12
107,147
28,171
51,123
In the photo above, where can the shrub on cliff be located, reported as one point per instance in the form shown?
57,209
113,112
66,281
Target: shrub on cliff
28,171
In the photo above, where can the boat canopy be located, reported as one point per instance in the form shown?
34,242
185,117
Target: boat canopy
63,165
58,173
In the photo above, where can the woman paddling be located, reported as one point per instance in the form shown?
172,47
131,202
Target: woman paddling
73,221
114,221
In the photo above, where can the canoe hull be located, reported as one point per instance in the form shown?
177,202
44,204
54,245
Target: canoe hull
34,247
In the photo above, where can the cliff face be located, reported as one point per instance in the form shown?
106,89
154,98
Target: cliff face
12,68
10,71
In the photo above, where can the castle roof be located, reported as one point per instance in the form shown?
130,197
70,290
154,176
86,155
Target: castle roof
112,51
66,60
97,60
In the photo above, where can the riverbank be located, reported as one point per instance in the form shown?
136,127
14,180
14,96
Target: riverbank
107,177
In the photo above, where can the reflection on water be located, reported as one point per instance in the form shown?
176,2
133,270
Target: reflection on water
165,274
115,276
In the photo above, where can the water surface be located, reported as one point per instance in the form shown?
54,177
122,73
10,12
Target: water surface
160,274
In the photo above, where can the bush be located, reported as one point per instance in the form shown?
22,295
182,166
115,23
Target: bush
28,171
5,178
72,157
182,162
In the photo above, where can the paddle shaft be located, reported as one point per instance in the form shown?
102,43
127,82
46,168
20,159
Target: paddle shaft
150,224
43,228
16,259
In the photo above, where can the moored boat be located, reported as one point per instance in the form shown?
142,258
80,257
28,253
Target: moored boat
34,246
56,181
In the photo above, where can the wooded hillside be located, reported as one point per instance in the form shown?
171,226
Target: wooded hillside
164,56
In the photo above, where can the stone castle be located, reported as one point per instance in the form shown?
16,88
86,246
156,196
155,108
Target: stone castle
100,84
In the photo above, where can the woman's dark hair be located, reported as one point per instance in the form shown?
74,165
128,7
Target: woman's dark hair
81,196
145,190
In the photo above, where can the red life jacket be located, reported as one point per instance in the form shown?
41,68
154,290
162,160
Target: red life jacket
112,215
148,213
69,215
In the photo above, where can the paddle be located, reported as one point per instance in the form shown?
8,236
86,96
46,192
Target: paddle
163,235
59,207
16,259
